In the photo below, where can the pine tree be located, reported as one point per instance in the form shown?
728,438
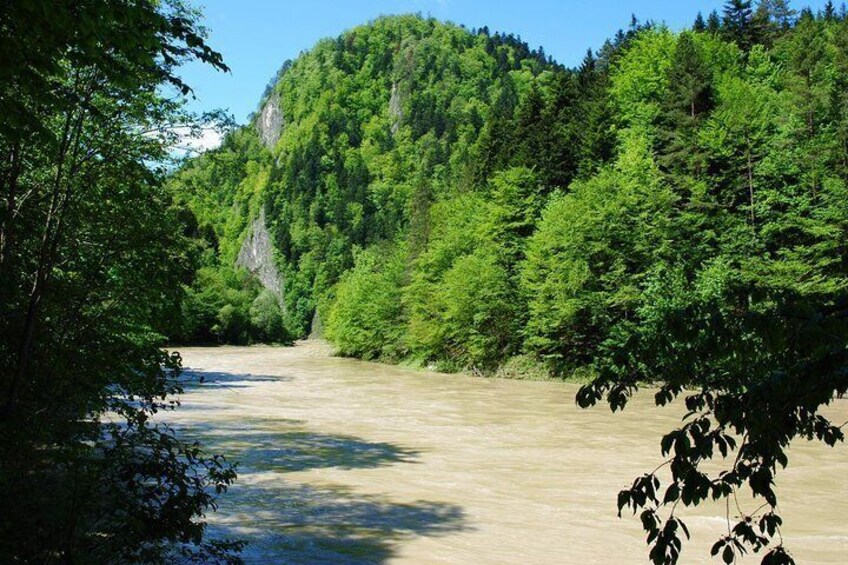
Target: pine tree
531,138
595,115
689,79
807,59
738,23
586,71
713,22
689,98
560,155
620,38
771,19
496,139
839,98
699,24
829,11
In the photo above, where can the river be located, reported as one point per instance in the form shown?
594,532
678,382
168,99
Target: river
343,461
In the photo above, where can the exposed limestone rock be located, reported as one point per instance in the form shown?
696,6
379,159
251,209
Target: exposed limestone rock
395,108
271,122
257,256
317,329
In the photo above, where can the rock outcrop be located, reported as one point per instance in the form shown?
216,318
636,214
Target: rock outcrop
316,331
257,256
271,121
395,108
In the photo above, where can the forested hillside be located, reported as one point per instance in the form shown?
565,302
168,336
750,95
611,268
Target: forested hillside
673,211
359,138
494,203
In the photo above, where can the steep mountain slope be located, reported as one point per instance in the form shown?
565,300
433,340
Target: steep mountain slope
350,147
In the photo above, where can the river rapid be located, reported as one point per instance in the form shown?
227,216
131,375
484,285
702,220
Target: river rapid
343,461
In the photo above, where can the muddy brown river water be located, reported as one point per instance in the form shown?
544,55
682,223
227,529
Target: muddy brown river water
342,461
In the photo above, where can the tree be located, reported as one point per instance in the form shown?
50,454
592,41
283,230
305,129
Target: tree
713,22
497,138
544,131
464,309
689,80
740,313
787,361
459,227
738,23
829,11
557,162
91,257
771,19
777,12
689,97
585,258
839,98
594,134
364,318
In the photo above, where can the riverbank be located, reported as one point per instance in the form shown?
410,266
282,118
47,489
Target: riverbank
518,367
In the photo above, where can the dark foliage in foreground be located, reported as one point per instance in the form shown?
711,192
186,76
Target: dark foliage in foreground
91,252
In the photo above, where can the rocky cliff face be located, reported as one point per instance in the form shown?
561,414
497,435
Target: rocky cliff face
316,330
395,108
257,256
271,122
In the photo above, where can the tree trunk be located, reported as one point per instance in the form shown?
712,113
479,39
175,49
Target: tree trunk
46,258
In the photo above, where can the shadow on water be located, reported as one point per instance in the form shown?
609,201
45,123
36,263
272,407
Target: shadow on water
288,522
283,449
291,523
192,379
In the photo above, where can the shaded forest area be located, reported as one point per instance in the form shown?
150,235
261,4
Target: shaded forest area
92,256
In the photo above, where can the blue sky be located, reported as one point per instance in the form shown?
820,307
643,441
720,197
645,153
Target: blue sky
256,36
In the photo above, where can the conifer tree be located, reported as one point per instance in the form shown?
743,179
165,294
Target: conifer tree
713,22
829,11
689,97
532,136
594,114
559,159
586,70
497,138
738,23
700,24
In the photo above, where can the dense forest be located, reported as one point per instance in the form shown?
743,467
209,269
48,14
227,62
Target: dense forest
670,213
